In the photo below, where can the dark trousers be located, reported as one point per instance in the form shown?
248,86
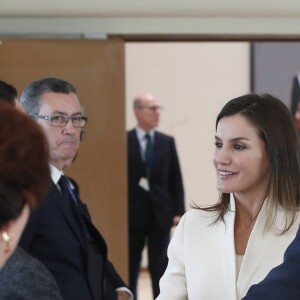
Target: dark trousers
157,240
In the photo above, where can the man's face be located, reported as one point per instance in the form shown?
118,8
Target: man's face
63,141
148,114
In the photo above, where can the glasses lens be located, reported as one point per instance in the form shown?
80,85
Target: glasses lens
79,121
59,120
154,107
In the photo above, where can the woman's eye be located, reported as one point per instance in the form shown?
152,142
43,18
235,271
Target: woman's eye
218,144
239,147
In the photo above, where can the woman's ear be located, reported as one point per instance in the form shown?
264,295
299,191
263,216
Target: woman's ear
6,241
6,238
11,232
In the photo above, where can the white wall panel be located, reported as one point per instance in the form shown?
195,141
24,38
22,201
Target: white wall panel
192,81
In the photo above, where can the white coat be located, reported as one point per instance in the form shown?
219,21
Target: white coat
202,259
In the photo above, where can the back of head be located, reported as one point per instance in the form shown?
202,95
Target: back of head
24,165
30,98
8,93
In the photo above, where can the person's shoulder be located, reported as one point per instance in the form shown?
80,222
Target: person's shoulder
24,262
199,216
28,274
23,272
196,211
131,131
131,134
163,136
198,223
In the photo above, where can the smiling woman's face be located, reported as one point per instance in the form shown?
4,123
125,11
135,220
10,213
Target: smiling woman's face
240,157
63,141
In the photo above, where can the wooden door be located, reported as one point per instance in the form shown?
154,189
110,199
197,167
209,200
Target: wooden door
96,68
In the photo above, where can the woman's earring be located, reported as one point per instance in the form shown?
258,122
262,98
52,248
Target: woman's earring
7,240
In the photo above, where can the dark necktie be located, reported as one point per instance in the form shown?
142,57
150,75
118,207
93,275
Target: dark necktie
62,182
74,204
148,154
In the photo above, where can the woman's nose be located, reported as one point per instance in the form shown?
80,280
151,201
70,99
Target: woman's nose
223,156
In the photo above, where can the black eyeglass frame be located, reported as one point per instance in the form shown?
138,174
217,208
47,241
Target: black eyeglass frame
66,118
153,107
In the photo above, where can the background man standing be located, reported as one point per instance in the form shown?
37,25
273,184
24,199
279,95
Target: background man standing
156,194
60,232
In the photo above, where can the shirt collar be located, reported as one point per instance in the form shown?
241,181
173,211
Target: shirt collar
141,133
55,173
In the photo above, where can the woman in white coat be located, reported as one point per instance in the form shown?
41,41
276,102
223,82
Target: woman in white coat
218,252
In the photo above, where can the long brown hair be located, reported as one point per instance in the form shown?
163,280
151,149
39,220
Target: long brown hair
23,163
275,126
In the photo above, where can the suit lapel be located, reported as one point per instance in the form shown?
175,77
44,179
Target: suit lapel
227,238
57,198
158,150
136,149
96,235
258,243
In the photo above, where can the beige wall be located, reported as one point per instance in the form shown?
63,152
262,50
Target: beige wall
192,81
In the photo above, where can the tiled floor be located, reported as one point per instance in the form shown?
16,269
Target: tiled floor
144,287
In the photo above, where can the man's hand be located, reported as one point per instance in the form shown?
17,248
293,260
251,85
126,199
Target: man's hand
123,295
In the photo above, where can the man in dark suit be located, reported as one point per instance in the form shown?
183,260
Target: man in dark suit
282,282
60,232
295,103
156,194
295,94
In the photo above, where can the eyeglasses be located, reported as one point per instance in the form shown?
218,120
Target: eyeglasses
153,108
62,120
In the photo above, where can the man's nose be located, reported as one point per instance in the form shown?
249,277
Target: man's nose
69,127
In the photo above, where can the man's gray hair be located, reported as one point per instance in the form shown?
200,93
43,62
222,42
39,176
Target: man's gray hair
31,96
137,103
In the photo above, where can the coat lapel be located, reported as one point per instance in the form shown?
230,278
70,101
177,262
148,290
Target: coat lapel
136,148
158,151
228,244
258,243
61,203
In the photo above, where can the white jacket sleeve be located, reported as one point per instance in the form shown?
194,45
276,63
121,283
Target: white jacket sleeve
173,282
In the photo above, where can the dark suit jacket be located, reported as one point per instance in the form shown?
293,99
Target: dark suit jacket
53,236
166,187
25,278
295,94
282,282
